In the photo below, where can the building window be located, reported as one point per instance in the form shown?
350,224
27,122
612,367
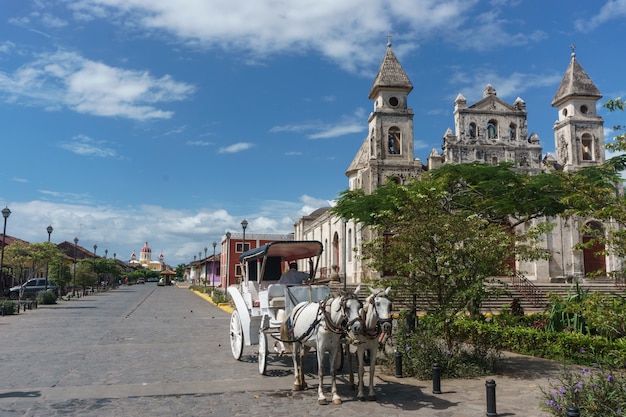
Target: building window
494,160
587,143
492,129
473,132
394,141
238,270
238,247
512,131
349,246
584,109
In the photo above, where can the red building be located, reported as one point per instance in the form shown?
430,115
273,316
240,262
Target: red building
233,246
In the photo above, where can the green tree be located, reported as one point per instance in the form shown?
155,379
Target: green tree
448,233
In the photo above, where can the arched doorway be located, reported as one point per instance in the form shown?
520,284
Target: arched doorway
593,258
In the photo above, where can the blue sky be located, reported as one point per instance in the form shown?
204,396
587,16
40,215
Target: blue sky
124,121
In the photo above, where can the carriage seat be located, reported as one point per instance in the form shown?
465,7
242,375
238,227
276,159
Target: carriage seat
276,295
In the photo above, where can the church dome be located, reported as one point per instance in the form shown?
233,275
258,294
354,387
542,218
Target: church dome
146,249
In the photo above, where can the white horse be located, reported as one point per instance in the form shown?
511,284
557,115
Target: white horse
322,326
376,318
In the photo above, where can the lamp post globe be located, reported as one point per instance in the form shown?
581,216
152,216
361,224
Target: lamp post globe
5,213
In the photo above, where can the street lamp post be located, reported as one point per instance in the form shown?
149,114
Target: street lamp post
94,265
5,213
244,225
205,268
227,282
49,229
74,284
213,267
345,255
106,252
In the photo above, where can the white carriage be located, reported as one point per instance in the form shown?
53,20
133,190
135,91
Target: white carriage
261,303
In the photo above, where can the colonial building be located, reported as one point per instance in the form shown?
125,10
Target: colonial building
489,131
145,259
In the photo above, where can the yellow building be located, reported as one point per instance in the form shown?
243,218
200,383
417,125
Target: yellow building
145,259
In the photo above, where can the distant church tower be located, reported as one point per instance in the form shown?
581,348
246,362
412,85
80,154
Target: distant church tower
387,152
578,131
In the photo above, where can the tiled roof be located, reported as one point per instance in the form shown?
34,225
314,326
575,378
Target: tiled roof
575,83
390,75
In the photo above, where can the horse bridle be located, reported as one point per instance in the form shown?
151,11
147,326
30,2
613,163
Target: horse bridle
343,326
373,332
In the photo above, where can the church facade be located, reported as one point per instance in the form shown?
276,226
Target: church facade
489,131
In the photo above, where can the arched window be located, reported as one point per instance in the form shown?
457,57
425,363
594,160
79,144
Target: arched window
492,129
587,144
512,131
494,160
393,145
473,132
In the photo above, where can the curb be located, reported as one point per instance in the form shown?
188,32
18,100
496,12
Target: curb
226,307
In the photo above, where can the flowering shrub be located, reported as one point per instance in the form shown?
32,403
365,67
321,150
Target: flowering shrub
596,393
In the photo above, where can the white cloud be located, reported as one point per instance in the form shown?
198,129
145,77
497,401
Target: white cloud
264,27
507,86
612,9
346,125
179,234
86,146
93,87
236,147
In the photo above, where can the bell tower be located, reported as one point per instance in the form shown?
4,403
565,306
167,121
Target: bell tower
387,152
578,132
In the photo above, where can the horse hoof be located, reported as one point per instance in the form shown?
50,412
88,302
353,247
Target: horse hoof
371,398
298,388
322,402
337,401
360,398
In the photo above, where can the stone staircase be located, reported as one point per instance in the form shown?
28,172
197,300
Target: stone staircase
535,302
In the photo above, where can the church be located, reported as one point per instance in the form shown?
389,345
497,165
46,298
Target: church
489,131
145,259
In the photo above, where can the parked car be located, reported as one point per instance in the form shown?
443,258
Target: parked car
141,281
31,288
161,282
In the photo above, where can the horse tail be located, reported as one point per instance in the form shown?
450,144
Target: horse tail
285,334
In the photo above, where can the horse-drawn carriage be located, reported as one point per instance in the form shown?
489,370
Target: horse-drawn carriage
261,302
298,317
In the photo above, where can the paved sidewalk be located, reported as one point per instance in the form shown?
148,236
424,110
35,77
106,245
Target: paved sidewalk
518,392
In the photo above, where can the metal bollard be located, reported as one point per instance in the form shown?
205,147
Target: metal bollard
398,358
491,398
436,379
572,411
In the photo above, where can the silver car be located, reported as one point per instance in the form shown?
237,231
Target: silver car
31,288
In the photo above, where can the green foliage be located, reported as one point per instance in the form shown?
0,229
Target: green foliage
47,297
8,307
567,314
423,348
596,393
567,347
606,315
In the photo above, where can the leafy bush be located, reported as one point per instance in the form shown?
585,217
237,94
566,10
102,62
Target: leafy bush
569,347
47,297
422,348
7,307
596,393
605,314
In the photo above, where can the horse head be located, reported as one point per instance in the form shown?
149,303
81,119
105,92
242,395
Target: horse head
352,310
377,311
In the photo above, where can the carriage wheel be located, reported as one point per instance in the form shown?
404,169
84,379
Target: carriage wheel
236,335
262,352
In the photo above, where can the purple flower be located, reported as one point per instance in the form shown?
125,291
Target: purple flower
580,384
422,346
609,378
581,351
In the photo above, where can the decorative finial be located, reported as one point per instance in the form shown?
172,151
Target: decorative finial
388,40
573,50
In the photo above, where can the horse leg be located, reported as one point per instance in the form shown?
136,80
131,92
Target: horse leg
350,372
332,356
321,398
361,371
373,352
